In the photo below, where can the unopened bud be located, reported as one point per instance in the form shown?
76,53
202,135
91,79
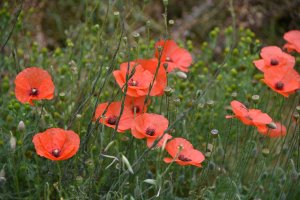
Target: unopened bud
171,21
272,125
181,75
21,126
12,142
165,2
135,34
2,176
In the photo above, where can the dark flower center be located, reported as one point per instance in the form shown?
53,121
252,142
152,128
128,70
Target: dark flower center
150,131
135,109
274,62
56,153
132,82
183,158
34,92
279,85
112,120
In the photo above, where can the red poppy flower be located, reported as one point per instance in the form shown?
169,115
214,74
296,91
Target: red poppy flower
136,104
56,144
173,55
139,82
283,81
293,39
272,57
160,81
249,116
183,152
151,127
112,114
279,131
33,84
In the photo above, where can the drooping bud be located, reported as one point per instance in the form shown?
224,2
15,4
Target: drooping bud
181,75
2,176
12,142
21,126
272,125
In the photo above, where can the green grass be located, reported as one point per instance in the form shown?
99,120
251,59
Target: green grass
240,163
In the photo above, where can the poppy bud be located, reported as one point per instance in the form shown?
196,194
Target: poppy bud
21,126
135,34
12,142
2,176
116,13
165,2
150,181
298,108
181,75
272,125
171,21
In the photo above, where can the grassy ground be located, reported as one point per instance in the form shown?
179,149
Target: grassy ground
240,163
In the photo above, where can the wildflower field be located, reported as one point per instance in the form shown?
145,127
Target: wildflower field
133,100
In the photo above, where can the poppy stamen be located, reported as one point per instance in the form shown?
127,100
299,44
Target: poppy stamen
132,82
183,158
34,92
279,85
112,120
56,153
150,131
274,62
